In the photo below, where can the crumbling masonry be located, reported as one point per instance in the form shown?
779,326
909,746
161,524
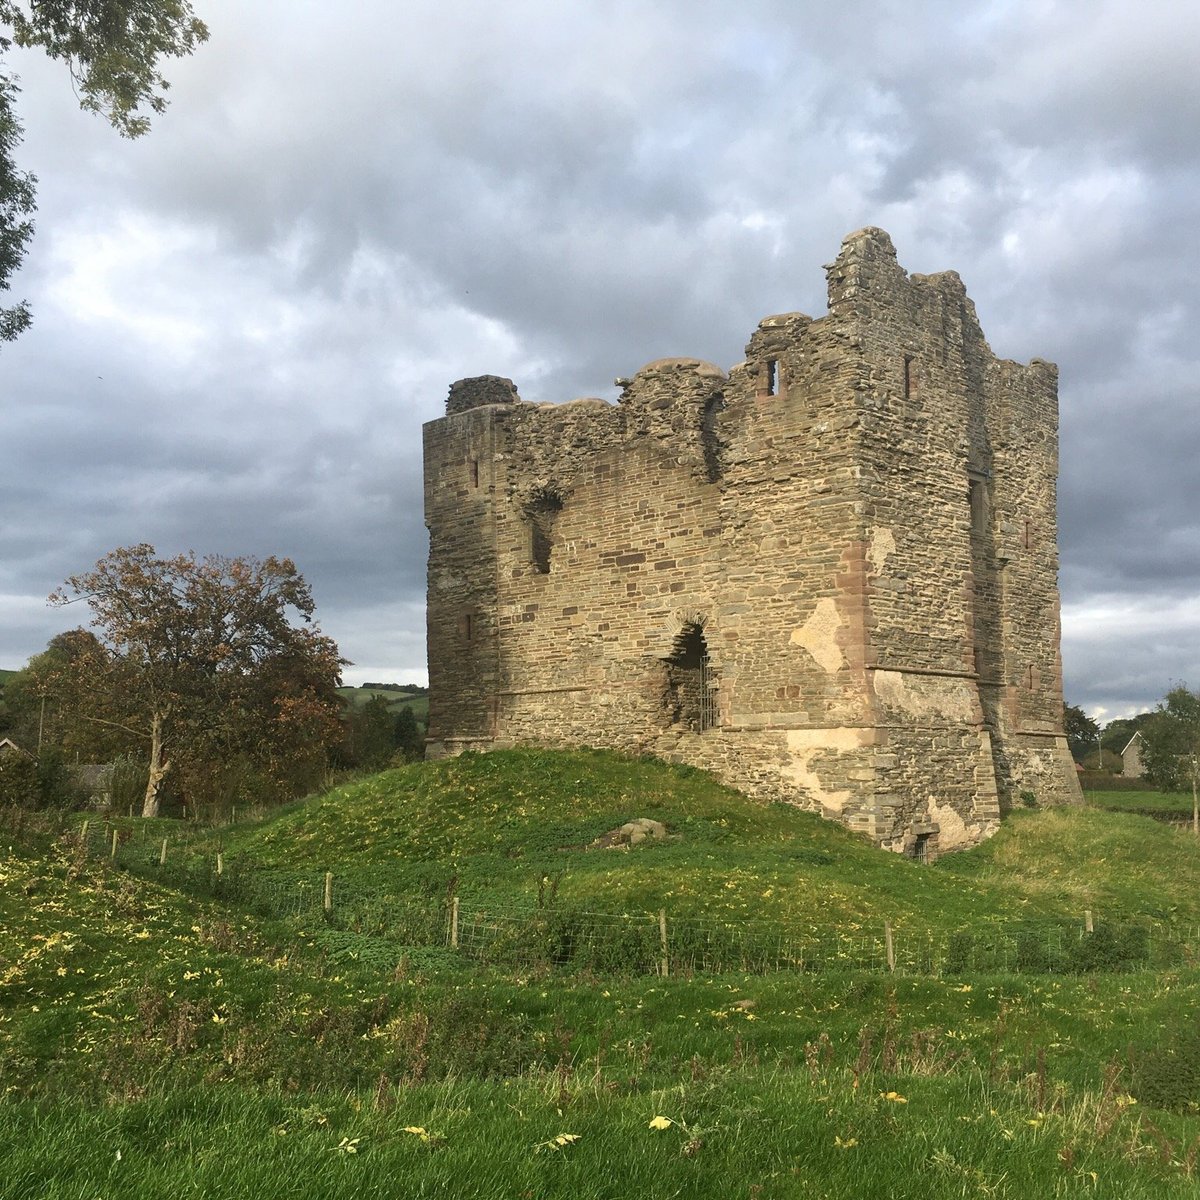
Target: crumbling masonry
828,576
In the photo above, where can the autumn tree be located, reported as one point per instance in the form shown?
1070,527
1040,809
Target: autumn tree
112,50
45,708
204,664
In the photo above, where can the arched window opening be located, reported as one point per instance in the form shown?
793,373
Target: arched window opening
542,512
692,687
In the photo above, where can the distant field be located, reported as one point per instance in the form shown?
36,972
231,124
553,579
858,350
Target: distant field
1140,801
357,697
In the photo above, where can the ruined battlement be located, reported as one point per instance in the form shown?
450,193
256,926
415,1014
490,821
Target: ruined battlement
828,574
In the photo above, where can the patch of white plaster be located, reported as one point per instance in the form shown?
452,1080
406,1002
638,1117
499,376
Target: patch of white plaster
882,544
926,696
953,832
818,635
803,745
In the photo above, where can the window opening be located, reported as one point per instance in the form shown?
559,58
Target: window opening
474,464
692,685
909,376
542,512
772,377
977,499
709,441
922,849
466,627
1028,535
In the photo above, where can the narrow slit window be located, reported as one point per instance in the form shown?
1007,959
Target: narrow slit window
772,377
474,472
977,498
909,377
542,513
466,627
1028,535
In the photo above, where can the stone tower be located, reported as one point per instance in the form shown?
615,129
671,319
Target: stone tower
829,575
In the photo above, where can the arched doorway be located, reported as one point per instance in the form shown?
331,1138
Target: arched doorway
689,673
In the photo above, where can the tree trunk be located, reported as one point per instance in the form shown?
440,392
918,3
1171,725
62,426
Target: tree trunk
158,767
1195,807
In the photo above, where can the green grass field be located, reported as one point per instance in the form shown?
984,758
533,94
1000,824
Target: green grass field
356,697
157,1035
1141,801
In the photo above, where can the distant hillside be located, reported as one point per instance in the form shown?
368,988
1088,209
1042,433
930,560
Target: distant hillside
397,697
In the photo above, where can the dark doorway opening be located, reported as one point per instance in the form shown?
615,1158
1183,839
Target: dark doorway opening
692,685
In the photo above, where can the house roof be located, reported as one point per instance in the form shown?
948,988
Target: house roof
1136,734
7,744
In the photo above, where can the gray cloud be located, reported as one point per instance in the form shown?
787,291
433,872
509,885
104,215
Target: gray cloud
243,319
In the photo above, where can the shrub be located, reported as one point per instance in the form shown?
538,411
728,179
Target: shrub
1167,1075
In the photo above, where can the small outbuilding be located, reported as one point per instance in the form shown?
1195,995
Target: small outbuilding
1131,758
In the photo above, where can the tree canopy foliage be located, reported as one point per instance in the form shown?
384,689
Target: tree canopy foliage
1082,732
1171,751
112,50
1172,740
197,665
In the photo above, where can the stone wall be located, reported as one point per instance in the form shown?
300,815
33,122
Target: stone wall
828,575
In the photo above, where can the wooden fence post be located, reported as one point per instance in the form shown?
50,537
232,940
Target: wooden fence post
662,941
162,854
113,852
1087,920
454,923
329,891
889,945
220,863
83,833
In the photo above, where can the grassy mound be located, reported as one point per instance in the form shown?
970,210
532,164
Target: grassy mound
499,826
155,1040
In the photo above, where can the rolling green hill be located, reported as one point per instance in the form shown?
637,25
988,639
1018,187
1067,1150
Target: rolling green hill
159,1034
501,822
356,697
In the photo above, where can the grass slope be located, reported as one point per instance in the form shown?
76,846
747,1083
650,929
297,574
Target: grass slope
501,823
152,1042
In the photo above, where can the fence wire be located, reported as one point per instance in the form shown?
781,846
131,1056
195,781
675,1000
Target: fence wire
370,923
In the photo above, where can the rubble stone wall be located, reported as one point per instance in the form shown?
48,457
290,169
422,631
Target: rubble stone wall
828,575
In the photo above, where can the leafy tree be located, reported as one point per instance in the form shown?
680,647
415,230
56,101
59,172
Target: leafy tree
1171,754
1082,732
112,49
201,664
1118,732
18,780
44,709
370,734
409,738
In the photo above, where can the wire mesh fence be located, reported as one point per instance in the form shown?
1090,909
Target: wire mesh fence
560,935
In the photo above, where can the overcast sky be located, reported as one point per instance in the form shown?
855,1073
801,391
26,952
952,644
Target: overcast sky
242,319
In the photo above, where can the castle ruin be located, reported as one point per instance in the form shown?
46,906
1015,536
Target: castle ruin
829,575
